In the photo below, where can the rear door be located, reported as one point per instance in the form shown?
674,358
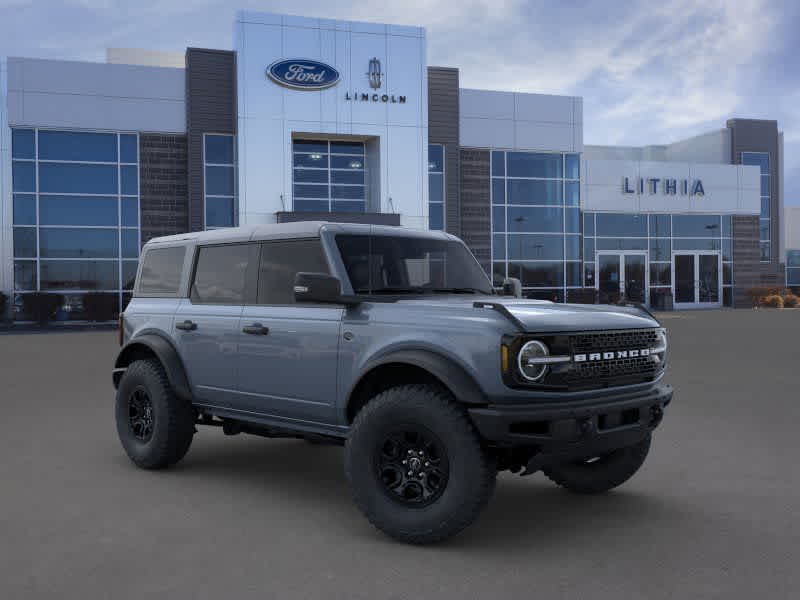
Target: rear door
207,322
288,352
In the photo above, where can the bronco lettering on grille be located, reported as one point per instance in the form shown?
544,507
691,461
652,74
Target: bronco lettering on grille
595,356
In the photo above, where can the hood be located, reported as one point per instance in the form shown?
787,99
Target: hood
542,316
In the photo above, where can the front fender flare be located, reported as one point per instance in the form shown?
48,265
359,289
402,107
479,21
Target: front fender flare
166,354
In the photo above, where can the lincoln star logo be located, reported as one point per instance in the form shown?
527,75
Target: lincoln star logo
595,356
374,74
302,74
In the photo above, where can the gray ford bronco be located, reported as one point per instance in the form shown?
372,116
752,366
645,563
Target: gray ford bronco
393,343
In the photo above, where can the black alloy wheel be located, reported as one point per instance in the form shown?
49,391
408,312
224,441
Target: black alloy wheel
140,414
412,465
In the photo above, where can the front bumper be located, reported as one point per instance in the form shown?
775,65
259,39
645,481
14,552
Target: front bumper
574,429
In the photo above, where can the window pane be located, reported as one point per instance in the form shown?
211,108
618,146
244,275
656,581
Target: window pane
130,212
521,191
793,277
219,181
347,192
696,225
621,243
727,296
129,274
538,274
763,229
588,274
220,274
280,263
77,210
25,275
727,249
436,187
765,208
23,176
572,220
161,270
498,218
573,274
498,163
435,158
499,247
535,247
310,191
347,148
128,149
759,159
695,244
310,146
77,179
727,273
311,175
346,162
572,189
79,275
23,144
765,251
219,212
538,220
661,274
357,177
588,249
219,149
572,244
793,258
573,166
660,249
130,243
530,164
24,209
588,224
74,145
498,273
765,185
498,191
129,180
623,225
317,161
78,243
727,226
660,226
24,242
348,206
436,216
311,205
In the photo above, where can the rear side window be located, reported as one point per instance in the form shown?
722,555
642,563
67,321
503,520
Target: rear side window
280,262
220,274
161,271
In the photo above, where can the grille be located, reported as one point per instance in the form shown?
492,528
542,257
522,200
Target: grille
616,370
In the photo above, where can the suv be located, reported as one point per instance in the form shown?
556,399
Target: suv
393,343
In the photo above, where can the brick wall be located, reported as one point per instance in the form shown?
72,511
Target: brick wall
163,185
476,216
443,128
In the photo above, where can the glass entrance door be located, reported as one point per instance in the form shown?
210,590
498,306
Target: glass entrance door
697,279
622,276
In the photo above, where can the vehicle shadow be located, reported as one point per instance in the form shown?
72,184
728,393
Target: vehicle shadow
527,513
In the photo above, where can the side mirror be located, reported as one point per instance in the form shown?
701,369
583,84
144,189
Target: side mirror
512,287
317,287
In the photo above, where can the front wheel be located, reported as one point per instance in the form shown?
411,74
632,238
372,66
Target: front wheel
416,466
601,473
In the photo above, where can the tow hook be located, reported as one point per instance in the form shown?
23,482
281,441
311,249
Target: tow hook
656,414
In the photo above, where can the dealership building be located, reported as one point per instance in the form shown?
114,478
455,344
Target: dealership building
339,120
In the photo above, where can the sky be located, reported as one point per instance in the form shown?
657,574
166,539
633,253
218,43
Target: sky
649,72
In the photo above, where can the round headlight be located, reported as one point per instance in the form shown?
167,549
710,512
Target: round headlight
529,367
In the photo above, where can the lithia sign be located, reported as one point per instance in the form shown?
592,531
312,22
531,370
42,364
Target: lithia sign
667,186
306,74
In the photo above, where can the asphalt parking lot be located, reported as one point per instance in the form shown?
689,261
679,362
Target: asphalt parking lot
715,512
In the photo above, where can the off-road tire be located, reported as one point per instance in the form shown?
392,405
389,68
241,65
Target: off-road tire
606,473
472,472
172,418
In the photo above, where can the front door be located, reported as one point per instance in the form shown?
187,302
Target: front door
697,279
622,275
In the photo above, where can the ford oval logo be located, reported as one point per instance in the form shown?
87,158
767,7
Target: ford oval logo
303,74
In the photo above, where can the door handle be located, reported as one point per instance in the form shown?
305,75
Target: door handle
186,326
256,329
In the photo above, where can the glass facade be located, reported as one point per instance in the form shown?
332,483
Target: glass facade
793,268
536,221
328,176
76,215
658,235
219,168
435,186
761,160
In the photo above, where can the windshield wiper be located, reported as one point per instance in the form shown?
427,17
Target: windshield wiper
394,290
460,290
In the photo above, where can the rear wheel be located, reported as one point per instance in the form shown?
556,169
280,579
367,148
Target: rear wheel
154,426
601,473
416,466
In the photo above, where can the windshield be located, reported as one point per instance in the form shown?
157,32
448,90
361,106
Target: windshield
398,265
